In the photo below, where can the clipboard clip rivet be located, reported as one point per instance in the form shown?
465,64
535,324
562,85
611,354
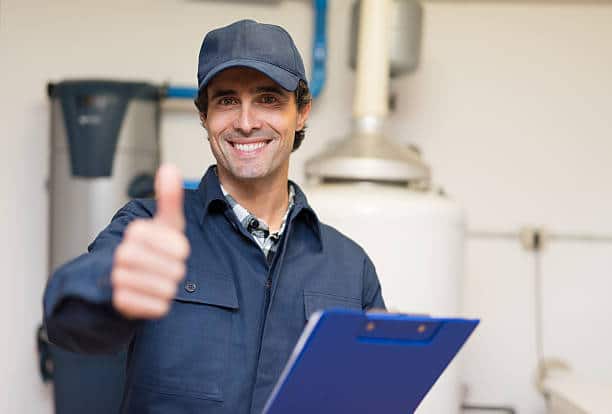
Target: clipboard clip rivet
370,326
421,328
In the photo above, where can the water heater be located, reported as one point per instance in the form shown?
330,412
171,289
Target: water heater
378,192
104,151
415,239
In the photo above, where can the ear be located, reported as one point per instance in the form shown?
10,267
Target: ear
303,116
203,119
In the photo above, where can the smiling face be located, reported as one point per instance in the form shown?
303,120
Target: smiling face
251,123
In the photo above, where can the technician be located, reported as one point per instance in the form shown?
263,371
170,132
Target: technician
209,289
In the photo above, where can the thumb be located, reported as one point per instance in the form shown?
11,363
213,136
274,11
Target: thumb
169,193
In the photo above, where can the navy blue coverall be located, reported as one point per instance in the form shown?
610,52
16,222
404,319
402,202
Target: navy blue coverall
235,318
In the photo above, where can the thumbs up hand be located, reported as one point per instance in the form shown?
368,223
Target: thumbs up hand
169,191
150,260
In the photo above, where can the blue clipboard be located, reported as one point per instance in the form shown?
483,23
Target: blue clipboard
355,362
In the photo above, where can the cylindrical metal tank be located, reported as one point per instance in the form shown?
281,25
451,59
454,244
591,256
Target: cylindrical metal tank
415,240
378,192
104,151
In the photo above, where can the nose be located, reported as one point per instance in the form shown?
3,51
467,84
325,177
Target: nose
246,119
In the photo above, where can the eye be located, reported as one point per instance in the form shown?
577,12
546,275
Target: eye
226,100
269,99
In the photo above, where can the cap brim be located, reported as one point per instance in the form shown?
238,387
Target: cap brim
284,78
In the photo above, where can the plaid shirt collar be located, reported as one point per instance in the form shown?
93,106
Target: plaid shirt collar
212,200
268,242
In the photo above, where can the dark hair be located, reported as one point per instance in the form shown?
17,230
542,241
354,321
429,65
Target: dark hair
302,98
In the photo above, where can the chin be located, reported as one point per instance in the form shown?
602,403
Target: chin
249,173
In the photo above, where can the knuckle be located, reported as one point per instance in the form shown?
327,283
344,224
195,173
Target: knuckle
161,290
135,229
153,314
169,290
182,269
116,276
177,245
183,248
179,271
174,291
118,255
122,253
163,307
120,300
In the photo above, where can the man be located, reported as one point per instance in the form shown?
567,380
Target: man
211,293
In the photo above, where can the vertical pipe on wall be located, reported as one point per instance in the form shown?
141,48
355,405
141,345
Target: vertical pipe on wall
319,48
372,74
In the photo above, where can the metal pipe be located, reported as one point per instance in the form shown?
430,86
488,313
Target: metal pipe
372,74
492,235
499,409
319,48
538,305
180,92
560,237
577,237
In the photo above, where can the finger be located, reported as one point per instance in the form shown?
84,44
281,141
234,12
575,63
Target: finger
143,283
137,257
169,193
167,242
136,305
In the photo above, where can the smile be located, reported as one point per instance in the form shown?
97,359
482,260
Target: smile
250,147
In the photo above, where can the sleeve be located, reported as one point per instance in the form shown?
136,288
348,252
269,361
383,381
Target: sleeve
372,292
77,302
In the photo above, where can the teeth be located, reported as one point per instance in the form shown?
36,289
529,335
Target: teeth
250,147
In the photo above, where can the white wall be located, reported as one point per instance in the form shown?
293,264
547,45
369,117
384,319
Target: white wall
512,107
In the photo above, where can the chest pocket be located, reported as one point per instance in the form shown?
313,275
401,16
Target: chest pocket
315,301
185,353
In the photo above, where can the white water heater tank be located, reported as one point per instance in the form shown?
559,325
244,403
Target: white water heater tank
377,191
415,240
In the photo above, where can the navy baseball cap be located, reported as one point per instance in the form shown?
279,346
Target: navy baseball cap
266,48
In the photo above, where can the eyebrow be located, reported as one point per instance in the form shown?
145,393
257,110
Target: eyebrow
261,89
223,92
270,89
